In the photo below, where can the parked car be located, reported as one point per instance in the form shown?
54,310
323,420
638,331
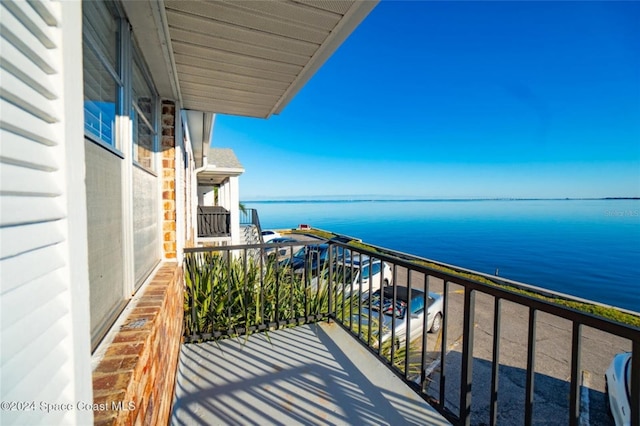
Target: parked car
312,258
374,272
383,299
618,388
281,248
269,235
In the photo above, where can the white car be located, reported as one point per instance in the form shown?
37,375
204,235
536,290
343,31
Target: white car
374,273
618,388
269,235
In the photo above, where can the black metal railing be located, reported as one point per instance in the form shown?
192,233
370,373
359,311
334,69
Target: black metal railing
229,291
341,282
213,221
250,217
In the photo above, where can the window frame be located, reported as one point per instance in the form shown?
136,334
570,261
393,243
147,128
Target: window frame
90,42
153,125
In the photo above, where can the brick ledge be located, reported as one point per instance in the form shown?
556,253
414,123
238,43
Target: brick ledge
134,381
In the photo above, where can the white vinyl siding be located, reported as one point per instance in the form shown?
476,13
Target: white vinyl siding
44,333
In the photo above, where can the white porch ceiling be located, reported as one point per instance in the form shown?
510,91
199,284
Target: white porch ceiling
242,57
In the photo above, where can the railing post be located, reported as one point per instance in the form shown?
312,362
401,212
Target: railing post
495,362
467,356
393,316
576,349
330,283
635,383
531,370
443,344
423,359
407,315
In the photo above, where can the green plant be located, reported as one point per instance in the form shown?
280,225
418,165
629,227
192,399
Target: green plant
235,295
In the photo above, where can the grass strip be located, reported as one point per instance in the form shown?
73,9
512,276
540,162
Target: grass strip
607,312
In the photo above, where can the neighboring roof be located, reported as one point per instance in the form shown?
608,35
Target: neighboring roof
223,158
242,58
220,164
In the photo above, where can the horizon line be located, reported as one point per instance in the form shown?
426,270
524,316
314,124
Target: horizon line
364,198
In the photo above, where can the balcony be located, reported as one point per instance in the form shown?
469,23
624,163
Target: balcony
313,373
213,222
505,353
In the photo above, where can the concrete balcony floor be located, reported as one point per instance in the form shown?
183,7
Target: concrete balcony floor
311,374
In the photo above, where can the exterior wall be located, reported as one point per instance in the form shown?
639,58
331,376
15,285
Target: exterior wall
191,197
186,191
234,209
44,278
206,195
223,195
133,219
73,214
134,377
135,380
168,148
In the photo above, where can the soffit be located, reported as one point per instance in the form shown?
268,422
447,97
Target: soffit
251,57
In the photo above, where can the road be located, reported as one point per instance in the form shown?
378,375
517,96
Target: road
552,361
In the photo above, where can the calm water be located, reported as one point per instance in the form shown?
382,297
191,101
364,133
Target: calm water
587,248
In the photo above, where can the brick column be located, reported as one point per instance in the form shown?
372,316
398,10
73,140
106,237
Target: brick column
168,147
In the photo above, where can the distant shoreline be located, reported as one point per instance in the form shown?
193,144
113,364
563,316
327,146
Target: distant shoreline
395,200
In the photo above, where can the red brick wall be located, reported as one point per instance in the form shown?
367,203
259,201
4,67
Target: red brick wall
139,367
168,148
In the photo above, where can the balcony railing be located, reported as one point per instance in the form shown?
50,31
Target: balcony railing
250,217
490,327
213,221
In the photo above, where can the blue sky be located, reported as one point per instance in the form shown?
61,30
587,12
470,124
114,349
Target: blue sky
459,99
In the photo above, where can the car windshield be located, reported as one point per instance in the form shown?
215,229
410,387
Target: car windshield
300,254
318,252
375,269
349,273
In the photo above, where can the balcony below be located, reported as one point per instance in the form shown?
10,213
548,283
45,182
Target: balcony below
309,374
213,222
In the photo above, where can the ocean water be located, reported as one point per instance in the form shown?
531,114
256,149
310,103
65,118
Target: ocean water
585,248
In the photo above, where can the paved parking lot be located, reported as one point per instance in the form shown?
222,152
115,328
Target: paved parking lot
552,361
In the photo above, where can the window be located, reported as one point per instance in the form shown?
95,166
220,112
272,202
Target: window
121,114
143,116
102,83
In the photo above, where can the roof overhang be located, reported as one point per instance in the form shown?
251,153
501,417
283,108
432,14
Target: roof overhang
245,58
